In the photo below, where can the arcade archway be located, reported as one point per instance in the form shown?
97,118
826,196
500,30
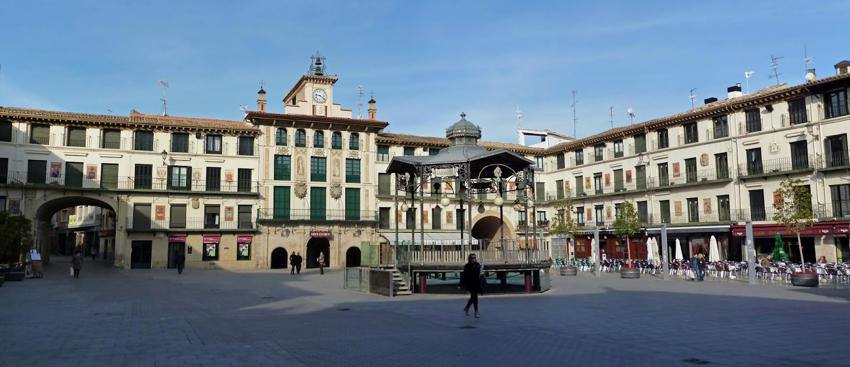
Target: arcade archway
279,258
67,223
315,247
352,257
490,228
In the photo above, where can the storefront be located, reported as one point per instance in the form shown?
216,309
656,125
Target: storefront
827,239
697,238
176,244
211,243
243,247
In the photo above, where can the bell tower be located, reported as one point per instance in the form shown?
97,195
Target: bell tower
313,94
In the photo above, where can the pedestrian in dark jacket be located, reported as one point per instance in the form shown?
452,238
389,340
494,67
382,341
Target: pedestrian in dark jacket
321,261
470,280
77,263
292,260
180,261
298,260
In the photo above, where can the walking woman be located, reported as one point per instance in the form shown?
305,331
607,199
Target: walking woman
471,280
77,263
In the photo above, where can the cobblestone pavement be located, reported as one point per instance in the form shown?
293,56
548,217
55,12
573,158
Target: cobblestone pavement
114,317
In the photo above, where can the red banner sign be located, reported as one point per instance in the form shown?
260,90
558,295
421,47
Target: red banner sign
179,238
244,238
212,238
770,230
320,233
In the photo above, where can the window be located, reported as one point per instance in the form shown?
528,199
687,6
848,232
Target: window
664,206
721,165
754,166
691,170
177,217
300,138
618,148
539,191
437,217
210,251
319,139
559,189
560,162
540,217
598,152
640,177
282,167
354,142
109,176
410,218
580,215
143,179
318,169
211,216
336,140
409,151
281,203
757,205
352,170
797,111
836,103
721,127
600,217
640,143
178,177
836,151
384,218
4,172
40,134
213,144
280,136
538,162
73,174
618,180
76,137
663,177
723,208
243,251
243,183
579,185
693,210
383,153
579,157
213,179
840,200
244,217
352,203
3,204
691,133
597,183
433,151
384,180
143,140
179,143
141,216
5,133
618,210
753,117
799,155
111,139
663,139
36,171
643,212
246,145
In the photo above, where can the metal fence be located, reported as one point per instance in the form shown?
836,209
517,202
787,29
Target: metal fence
451,252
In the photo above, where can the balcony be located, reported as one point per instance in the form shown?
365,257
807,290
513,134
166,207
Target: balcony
192,225
542,226
309,215
836,161
132,184
778,166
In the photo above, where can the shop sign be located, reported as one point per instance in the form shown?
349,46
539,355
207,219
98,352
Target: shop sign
244,238
177,238
320,233
212,238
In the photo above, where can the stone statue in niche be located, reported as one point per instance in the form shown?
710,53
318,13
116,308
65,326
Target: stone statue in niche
335,170
299,166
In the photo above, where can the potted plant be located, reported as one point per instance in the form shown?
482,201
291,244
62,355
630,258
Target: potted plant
793,204
627,224
565,225
15,238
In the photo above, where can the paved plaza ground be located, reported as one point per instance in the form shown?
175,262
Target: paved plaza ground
112,317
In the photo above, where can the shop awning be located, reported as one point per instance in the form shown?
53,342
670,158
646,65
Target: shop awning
770,230
691,229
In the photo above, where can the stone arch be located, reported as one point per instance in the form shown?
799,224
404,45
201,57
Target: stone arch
352,257
486,226
279,258
50,202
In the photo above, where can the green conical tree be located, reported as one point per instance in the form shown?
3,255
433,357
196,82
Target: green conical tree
794,208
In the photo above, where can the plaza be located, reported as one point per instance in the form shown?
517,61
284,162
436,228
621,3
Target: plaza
117,317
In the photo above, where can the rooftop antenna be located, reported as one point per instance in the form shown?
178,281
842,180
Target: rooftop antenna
807,60
611,115
631,112
164,85
774,65
518,118
575,119
747,76
692,97
360,101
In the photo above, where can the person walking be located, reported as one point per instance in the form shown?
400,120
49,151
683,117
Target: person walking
77,263
179,260
321,261
470,279
292,259
298,261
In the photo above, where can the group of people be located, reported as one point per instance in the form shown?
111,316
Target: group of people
295,263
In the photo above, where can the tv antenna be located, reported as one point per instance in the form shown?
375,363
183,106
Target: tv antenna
692,97
747,76
611,115
518,118
164,85
774,65
575,119
631,112
360,93
807,60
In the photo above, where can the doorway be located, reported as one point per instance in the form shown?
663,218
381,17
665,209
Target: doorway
140,256
173,249
352,257
279,258
315,247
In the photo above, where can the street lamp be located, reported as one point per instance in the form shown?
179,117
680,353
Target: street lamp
445,201
164,155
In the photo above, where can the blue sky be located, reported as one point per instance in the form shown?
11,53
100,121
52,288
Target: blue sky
425,61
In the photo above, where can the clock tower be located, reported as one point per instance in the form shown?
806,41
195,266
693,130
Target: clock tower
313,93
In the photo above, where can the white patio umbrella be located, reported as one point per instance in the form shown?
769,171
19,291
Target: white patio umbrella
655,252
713,250
679,250
649,253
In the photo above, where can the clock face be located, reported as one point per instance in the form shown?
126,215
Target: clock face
319,95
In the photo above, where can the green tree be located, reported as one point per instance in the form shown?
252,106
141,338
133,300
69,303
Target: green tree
15,237
793,204
627,224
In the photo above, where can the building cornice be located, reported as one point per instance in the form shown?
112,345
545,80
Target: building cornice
310,121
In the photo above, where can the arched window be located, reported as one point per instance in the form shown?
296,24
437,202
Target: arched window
319,139
354,141
300,138
336,140
280,136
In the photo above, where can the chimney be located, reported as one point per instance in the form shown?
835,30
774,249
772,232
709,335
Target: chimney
261,100
842,68
709,100
373,113
734,91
